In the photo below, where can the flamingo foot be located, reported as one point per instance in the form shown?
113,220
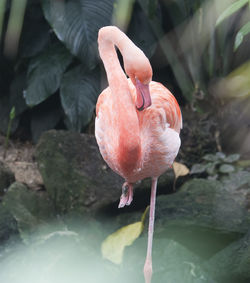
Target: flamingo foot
127,195
148,270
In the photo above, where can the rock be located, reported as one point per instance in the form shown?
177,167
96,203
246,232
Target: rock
75,175
232,264
60,256
63,255
206,204
171,261
6,178
28,208
8,224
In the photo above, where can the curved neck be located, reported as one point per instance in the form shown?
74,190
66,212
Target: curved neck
108,38
125,120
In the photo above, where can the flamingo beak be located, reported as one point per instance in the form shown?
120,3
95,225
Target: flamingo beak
143,95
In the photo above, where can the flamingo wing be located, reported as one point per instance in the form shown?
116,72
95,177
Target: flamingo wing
160,126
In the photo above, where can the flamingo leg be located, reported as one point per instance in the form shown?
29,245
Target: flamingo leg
148,262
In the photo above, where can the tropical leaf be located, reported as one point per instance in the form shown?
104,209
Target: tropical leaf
76,23
226,168
45,72
40,33
240,35
232,158
79,91
198,168
210,157
181,76
146,40
113,246
230,10
220,155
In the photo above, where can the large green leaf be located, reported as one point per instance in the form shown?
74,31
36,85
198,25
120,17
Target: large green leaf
76,23
45,72
240,35
36,34
182,77
79,91
230,10
145,40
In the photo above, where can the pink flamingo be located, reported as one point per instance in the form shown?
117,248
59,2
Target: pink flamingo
137,124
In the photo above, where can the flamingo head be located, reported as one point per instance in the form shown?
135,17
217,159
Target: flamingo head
143,99
138,68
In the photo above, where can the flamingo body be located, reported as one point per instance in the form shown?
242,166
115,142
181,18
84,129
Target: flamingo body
159,127
137,124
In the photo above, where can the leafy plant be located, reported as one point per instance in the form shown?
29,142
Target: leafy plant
245,29
113,246
215,165
54,80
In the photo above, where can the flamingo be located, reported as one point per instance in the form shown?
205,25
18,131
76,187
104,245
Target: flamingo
137,123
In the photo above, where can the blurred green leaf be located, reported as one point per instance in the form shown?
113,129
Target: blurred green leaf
181,75
210,157
240,35
145,40
231,9
79,91
226,168
232,158
220,155
12,113
198,168
211,168
45,72
114,245
76,23
237,83
14,28
122,13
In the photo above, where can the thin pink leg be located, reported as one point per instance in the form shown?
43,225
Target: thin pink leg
148,262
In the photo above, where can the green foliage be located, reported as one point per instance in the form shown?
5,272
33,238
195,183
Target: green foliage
54,80
217,164
79,92
245,30
231,10
76,24
45,72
